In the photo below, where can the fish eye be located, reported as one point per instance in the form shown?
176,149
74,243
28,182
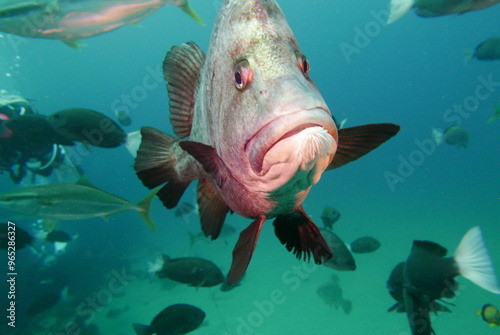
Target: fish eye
303,64
242,75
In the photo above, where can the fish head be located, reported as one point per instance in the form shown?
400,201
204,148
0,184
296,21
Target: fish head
271,126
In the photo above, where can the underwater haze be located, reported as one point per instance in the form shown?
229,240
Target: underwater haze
411,73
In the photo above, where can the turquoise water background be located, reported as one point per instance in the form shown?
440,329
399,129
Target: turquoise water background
411,73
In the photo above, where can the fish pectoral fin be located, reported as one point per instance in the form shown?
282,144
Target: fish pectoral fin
141,329
243,251
355,142
155,164
299,233
74,44
181,69
207,156
212,209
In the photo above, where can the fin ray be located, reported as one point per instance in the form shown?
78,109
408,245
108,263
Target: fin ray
474,262
355,142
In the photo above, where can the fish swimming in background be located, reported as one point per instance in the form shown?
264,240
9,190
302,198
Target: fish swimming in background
193,271
364,245
490,315
332,295
174,320
496,113
252,128
453,135
71,202
432,8
329,216
88,126
71,20
17,234
342,259
488,50
428,276
123,117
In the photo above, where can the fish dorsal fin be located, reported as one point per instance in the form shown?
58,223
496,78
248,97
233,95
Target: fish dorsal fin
430,247
207,156
84,181
355,142
181,69
212,208
299,234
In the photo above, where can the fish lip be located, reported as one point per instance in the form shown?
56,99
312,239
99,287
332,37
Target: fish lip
293,123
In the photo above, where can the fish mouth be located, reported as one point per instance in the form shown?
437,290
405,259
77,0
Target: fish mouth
283,128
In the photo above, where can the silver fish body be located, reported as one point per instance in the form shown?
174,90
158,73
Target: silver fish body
70,20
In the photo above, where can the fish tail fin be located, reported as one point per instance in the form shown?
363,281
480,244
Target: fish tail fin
398,8
142,329
496,113
145,208
157,265
133,142
65,295
347,306
468,55
474,262
299,234
156,164
437,135
186,8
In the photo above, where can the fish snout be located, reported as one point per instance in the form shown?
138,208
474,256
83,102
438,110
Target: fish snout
306,139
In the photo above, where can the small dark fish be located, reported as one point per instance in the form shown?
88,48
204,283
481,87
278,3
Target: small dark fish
115,312
331,293
329,216
58,236
22,237
189,270
365,245
490,314
88,126
456,135
173,320
123,117
184,209
488,50
342,259
428,276
42,303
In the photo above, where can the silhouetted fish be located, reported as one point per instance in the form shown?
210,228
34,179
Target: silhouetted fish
428,276
188,270
42,303
329,216
331,293
342,259
364,245
173,320
15,233
488,50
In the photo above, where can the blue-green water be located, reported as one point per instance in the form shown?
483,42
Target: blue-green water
410,73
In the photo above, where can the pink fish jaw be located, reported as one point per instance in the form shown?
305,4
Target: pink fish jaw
293,141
